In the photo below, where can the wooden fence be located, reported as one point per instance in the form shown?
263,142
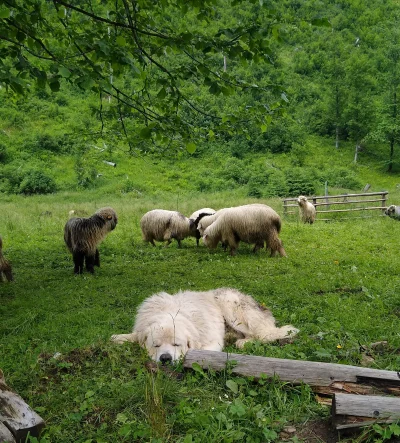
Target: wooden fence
338,204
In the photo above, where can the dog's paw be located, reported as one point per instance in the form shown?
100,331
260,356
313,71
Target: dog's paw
119,338
241,342
290,331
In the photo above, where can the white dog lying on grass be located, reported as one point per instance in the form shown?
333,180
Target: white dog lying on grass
168,325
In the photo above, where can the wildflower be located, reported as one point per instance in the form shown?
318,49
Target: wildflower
339,346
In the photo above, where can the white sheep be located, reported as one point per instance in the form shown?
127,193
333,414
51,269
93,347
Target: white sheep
197,216
253,224
307,210
393,211
163,225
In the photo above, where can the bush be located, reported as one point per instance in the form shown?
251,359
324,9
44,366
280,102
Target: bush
277,186
342,178
37,182
279,138
235,169
300,181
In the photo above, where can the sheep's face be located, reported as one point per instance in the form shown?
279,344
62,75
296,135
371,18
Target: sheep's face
302,200
210,242
110,216
390,211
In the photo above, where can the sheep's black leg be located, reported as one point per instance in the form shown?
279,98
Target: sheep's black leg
78,258
90,262
97,259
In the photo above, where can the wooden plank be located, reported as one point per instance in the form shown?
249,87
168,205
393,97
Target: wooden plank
349,411
316,374
350,210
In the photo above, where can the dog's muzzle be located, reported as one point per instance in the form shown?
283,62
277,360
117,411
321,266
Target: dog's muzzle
165,358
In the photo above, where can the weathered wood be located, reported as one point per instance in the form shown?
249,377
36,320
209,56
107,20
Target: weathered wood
5,435
352,411
326,378
17,416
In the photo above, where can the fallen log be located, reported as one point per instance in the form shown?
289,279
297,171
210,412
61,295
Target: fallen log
355,411
324,378
17,419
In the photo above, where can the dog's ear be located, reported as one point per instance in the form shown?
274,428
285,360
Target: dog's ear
193,344
139,337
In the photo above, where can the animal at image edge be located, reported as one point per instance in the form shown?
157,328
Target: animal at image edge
5,267
83,235
168,325
393,211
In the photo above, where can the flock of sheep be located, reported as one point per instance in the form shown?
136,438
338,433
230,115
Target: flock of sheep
256,224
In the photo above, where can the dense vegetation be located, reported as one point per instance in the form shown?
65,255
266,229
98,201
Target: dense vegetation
299,102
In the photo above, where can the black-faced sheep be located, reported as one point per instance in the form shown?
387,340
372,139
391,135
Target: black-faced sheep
83,235
197,216
5,267
163,225
393,211
253,224
307,210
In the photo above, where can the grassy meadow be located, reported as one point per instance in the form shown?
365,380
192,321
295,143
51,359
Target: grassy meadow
339,285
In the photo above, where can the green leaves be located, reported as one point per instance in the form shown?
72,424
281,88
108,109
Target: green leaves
4,12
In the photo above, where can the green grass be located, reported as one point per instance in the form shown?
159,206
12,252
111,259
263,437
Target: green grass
339,286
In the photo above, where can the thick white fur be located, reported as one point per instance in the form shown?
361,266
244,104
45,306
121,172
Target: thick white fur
393,211
254,224
307,210
163,225
169,325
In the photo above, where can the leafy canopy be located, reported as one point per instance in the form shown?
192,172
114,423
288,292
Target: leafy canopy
145,56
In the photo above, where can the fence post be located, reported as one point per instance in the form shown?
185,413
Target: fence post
284,207
384,194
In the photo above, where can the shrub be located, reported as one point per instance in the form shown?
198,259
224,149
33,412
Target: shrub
37,182
300,181
235,169
342,178
277,186
279,138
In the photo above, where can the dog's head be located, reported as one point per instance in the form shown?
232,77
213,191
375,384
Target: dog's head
166,340
390,211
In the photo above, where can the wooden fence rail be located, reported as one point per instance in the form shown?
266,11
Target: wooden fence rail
329,204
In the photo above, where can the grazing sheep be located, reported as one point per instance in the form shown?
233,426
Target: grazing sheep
5,267
197,216
307,210
253,224
163,225
393,211
83,235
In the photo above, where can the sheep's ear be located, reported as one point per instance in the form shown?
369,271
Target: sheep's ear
109,217
205,236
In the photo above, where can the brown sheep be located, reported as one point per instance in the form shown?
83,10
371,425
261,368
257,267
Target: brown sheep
5,267
83,235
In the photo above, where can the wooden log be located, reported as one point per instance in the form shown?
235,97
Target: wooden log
5,435
325,378
17,416
354,411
